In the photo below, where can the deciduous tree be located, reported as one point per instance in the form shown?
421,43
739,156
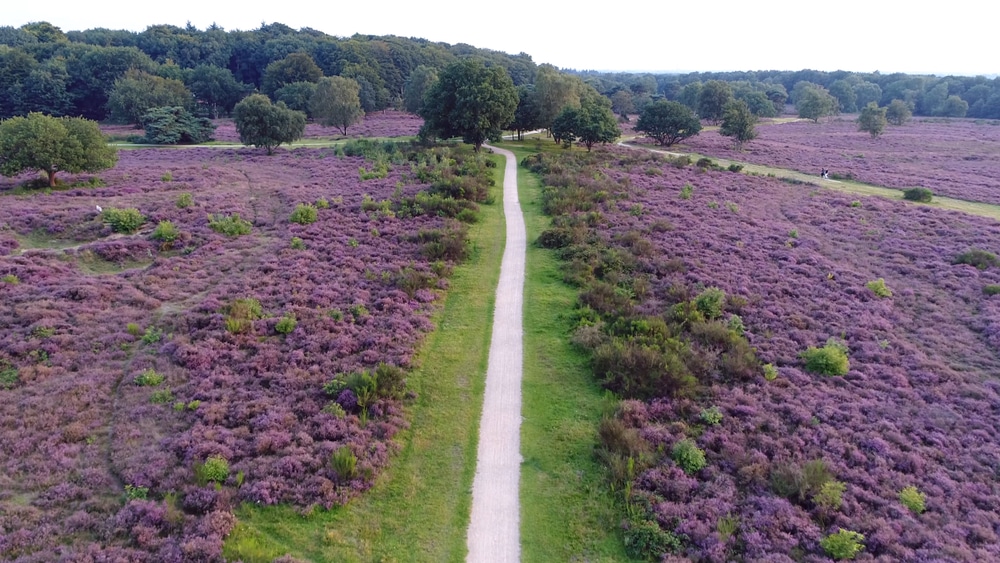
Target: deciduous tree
470,100
419,82
815,103
336,102
712,100
872,120
668,122
739,123
263,124
898,112
296,67
138,92
52,145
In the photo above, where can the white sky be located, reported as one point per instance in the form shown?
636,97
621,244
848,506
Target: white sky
955,37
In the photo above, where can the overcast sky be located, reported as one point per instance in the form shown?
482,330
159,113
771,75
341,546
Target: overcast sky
955,37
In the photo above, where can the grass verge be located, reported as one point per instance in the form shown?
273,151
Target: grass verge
418,509
567,512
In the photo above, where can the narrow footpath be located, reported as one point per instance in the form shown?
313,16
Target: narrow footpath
494,534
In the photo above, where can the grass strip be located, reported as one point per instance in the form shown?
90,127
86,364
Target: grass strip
418,509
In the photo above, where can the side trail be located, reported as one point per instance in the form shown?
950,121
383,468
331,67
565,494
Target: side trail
494,535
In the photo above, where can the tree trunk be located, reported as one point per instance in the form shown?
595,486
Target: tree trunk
52,178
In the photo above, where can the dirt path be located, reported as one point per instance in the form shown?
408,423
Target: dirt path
494,526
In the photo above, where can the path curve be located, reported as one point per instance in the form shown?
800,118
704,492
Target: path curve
494,527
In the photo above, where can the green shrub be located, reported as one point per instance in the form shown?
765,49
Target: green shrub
358,311
304,214
830,495
711,416
770,372
297,244
831,359
918,194
735,167
344,463
231,225
913,499
735,324
167,176
688,456
878,288
9,377
10,279
732,206
286,324
845,544
645,540
136,493
133,329
991,289
185,200
981,259
123,220
334,408
214,470
322,203
686,191
794,233
710,302
727,526
335,314
161,396
175,126
704,162
148,378
152,335
856,203
241,314
165,231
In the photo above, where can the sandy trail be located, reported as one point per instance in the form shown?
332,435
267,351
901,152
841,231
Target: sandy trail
494,534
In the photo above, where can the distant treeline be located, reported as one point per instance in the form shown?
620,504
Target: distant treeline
117,74
949,96
73,73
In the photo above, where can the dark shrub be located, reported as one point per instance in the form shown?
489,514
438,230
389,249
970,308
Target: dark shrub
918,194
642,372
981,259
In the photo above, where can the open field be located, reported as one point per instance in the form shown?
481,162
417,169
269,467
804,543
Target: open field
954,158
917,406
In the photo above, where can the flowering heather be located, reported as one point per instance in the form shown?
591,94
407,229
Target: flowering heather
954,158
93,309
919,406
389,123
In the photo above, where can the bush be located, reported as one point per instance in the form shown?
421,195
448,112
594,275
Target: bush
922,195
286,324
322,203
878,288
711,416
165,231
230,225
845,544
161,396
831,359
686,191
710,302
215,469
344,463
123,220
646,540
185,200
688,456
912,499
136,492
830,495
148,378
297,244
981,259
175,126
9,377
304,214
991,289
10,279
770,372
241,314
735,167
704,162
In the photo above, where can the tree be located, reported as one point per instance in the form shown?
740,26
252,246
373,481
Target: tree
953,106
553,92
739,123
712,100
668,122
262,124
621,103
296,67
216,88
470,100
872,120
419,82
866,92
847,99
296,96
814,103
175,126
898,112
138,92
52,145
336,102
690,94
526,116
595,122
563,127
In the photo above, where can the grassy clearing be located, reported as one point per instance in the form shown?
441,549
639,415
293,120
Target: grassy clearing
567,513
418,509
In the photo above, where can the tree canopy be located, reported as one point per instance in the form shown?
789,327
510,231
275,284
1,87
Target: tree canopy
470,100
336,102
739,123
175,126
138,92
263,124
668,122
593,122
815,103
712,99
898,112
52,145
872,120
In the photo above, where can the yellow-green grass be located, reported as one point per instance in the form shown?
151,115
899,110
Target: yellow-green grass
418,509
567,511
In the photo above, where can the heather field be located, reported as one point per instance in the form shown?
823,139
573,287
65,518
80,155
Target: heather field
957,158
148,381
733,446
